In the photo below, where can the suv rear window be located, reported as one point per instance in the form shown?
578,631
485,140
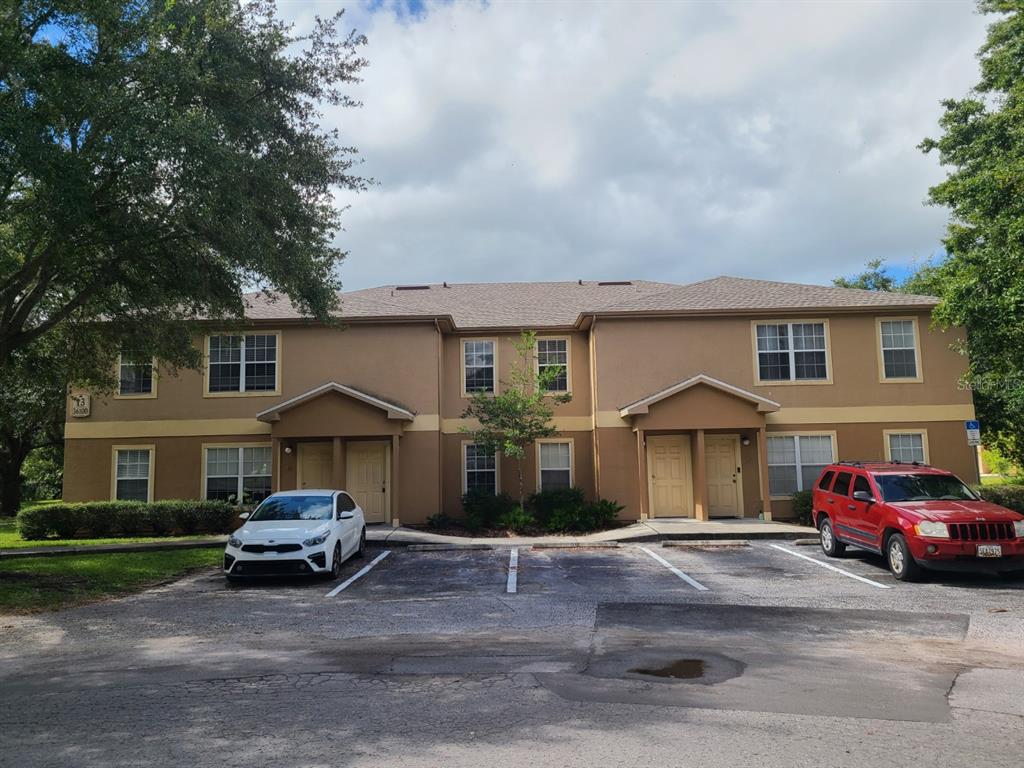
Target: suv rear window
826,480
842,486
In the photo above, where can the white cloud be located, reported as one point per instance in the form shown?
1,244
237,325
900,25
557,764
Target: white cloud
668,141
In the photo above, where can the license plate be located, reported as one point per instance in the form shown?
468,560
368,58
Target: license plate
990,550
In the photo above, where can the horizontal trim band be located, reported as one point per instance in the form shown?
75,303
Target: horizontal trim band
164,428
562,424
854,414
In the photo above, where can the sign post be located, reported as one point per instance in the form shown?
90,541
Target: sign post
973,429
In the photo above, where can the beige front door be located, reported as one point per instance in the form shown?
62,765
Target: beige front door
722,455
366,467
668,467
314,465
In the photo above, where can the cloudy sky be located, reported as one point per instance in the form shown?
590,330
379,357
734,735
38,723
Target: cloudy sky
662,140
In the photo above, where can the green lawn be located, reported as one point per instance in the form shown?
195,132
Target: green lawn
11,539
49,583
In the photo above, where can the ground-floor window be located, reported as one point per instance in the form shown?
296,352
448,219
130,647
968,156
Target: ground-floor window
906,446
239,474
555,462
481,469
132,467
795,461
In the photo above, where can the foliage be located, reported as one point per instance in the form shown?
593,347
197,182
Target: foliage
873,278
48,583
516,520
441,521
998,463
125,518
159,157
519,413
1009,496
42,473
982,281
566,509
484,510
802,506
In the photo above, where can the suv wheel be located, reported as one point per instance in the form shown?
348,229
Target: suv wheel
830,545
902,564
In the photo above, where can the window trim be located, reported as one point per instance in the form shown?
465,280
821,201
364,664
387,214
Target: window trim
887,433
568,363
791,382
118,395
799,433
462,364
465,472
572,458
151,447
275,392
882,378
202,462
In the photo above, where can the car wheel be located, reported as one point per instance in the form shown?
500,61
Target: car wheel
830,545
902,564
336,562
362,544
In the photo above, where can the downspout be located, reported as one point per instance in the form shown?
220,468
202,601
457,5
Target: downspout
440,417
593,408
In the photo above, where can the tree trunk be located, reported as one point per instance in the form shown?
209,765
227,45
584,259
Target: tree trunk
522,493
10,485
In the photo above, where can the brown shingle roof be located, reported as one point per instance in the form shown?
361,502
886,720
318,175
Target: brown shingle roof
545,305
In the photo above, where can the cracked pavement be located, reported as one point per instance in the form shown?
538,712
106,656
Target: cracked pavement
427,661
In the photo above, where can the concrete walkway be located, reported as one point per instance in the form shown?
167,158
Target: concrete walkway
676,529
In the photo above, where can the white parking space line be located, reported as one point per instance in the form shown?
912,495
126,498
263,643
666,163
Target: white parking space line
513,572
359,574
691,581
830,567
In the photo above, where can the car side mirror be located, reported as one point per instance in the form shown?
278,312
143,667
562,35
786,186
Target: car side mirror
863,496
244,515
345,515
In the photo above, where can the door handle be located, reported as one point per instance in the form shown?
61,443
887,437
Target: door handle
851,507
831,501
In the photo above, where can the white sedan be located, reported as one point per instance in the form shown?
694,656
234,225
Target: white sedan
297,533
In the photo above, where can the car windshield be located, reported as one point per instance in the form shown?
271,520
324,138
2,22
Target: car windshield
923,488
294,508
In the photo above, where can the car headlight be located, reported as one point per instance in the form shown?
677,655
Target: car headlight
234,541
316,540
932,530
1018,528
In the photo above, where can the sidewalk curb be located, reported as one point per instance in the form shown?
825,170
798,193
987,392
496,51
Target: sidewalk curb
707,543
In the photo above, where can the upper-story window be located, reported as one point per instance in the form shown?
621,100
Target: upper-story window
478,365
898,340
243,363
791,352
135,374
554,354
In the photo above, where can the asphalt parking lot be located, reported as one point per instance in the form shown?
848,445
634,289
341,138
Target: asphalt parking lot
761,655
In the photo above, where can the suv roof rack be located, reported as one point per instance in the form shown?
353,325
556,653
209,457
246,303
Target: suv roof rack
862,462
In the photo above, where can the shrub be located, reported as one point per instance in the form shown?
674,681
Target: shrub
1009,496
126,518
802,506
544,504
567,509
516,519
440,521
483,510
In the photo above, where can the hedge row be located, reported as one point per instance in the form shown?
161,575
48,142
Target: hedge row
1009,496
101,519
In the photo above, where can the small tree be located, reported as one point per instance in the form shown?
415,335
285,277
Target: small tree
519,412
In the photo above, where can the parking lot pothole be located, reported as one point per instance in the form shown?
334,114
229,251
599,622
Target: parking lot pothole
681,669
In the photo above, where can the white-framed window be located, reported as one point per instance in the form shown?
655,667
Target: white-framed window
243,363
480,469
554,464
240,474
792,352
133,469
478,365
906,446
135,374
898,340
795,461
554,354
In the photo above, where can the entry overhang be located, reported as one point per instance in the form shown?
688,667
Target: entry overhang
392,410
763,404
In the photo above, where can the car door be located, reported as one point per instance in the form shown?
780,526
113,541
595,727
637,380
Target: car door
864,516
349,523
854,526
837,501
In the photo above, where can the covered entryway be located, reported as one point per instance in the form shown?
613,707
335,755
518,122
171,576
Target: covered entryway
702,450
336,436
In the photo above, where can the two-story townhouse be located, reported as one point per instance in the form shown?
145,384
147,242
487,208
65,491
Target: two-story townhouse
715,399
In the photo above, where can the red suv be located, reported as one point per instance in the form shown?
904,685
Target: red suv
917,517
